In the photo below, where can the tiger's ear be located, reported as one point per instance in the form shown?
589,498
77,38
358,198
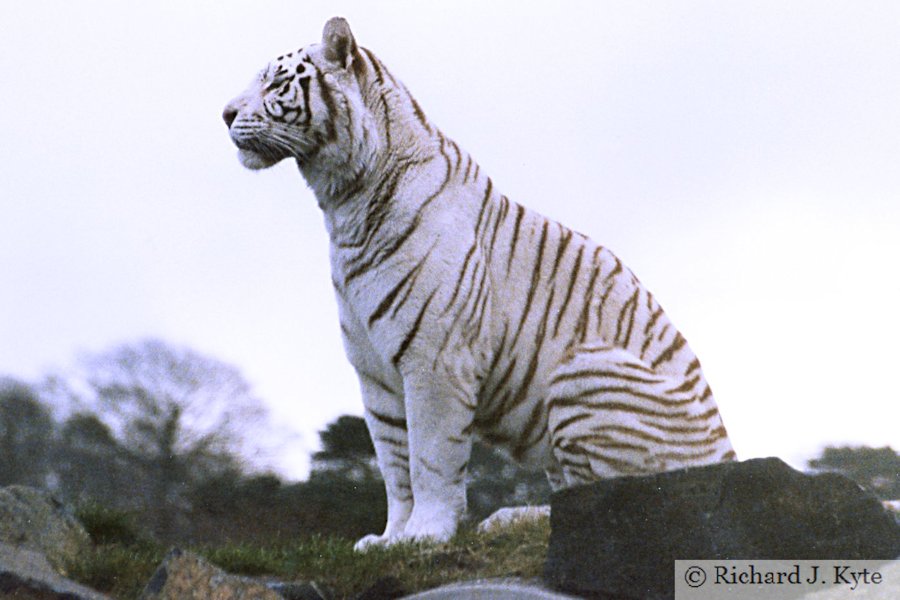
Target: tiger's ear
340,47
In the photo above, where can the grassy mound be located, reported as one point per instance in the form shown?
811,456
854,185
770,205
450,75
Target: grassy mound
122,561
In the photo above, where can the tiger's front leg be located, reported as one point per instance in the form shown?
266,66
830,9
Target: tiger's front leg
439,410
386,420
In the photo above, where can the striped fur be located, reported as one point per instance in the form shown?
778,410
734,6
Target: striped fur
463,312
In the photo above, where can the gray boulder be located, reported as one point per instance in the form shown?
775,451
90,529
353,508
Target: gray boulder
504,517
26,575
186,575
32,519
620,537
491,589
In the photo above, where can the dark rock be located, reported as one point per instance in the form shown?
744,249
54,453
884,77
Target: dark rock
386,588
619,538
297,591
27,575
32,519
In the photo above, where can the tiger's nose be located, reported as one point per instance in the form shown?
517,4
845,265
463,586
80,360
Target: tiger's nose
229,115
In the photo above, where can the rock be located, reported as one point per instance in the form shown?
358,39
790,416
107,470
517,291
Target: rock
34,520
297,591
511,514
27,575
386,588
491,589
186,575
620,537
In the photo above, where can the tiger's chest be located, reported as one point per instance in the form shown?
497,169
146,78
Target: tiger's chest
367,353
392,306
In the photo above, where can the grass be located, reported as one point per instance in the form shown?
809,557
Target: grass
122,566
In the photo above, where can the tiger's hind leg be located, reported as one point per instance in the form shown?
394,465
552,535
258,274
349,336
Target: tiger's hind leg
611,414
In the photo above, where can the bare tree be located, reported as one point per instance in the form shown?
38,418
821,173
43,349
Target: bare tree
182,416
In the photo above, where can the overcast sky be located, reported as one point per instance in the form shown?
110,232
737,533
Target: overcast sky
742,157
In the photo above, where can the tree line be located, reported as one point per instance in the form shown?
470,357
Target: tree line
164,434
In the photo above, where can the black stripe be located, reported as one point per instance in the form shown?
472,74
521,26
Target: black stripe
606,443
420,115
680,429
593,373
712,412
388,122
304,86
378,382
579,400
387,250
501,383
573,277
695,364
408,293
520,212
482,284
376,66
404,345
468,168
398,423
458,155
386,302
391,441
538,417
616,270
504,207
569,421
563,243
535,278
648,334
532,367
581,325
643,435
679,456
471,251
429,467
480,322
677,343
630,391
325,93
687,386
629,306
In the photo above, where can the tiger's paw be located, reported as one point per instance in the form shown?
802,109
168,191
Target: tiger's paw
373,541
437,527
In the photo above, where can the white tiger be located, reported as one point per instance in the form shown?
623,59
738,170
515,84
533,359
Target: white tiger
463,312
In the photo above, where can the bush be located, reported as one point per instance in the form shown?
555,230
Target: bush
109,526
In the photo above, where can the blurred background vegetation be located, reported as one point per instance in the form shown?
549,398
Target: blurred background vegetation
162,435
165,436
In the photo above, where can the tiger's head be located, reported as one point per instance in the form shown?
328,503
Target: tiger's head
307,105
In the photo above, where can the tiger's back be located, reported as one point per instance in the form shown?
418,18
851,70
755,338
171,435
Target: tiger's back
463,312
